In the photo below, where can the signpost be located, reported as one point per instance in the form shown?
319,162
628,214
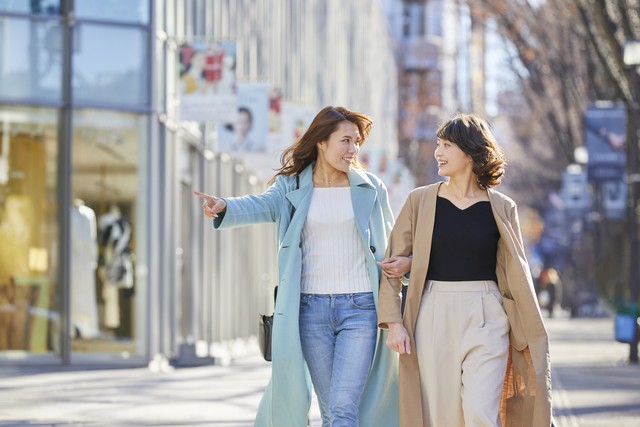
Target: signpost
632,61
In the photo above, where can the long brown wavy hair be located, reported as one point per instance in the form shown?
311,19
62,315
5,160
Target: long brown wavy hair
304,151
475,138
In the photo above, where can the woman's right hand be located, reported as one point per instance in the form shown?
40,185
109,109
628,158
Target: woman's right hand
398,338
395,267
212,205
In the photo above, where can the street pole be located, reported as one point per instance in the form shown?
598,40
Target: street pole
634,260
632,60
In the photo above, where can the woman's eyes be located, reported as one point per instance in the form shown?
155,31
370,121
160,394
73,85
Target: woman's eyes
348,141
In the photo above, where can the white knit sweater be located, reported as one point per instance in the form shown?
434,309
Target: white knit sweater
333,255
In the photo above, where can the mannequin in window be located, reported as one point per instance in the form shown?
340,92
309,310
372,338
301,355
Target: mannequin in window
117,268
84,255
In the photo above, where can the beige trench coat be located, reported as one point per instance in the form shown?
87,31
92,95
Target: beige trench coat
526,393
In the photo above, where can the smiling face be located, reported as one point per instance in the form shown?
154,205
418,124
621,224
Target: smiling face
341,148
451,159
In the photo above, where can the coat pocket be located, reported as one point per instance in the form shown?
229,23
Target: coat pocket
516,335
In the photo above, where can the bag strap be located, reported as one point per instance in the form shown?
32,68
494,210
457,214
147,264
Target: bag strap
293,208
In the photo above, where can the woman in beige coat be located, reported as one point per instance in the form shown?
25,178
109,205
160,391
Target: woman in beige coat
473,347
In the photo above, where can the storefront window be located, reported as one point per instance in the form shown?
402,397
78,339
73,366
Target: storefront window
111,66
29,233
45,7
135,11
107,232
30,59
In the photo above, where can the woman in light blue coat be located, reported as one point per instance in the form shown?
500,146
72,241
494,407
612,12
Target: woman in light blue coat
333,222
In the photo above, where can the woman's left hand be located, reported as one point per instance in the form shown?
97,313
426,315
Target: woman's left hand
395,267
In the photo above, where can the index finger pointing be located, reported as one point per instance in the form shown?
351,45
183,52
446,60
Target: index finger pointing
204,196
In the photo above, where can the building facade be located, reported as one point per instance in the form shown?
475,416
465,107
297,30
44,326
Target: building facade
440,60
104,255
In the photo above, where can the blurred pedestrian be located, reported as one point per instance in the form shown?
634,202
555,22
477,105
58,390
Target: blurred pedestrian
474,349
333,222
549,287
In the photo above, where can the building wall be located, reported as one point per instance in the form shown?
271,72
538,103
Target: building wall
316,53
434,77
74,117
89,123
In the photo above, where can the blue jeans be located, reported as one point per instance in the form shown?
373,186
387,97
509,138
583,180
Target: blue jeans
338,336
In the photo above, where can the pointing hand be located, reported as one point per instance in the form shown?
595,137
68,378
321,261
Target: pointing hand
212,205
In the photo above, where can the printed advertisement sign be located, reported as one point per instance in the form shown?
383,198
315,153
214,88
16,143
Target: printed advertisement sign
248,131
207,81
294,122
605,134
575,192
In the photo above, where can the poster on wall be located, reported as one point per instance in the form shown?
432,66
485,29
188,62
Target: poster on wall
275,109
294,121
247,132
207,81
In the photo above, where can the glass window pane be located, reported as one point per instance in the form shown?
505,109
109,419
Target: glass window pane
30,59
108,232
110,65
29,232
136,11
44,7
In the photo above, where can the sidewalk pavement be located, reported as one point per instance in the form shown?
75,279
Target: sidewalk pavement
214,395
593,383
593,387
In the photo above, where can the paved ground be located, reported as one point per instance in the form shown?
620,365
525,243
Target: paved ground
593,387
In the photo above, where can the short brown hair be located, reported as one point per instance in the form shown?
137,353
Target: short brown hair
474,137
304,151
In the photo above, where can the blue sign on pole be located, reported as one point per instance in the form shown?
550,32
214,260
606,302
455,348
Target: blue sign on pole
575,193
615,200
606,140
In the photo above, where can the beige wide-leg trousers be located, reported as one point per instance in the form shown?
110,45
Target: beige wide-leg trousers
462,339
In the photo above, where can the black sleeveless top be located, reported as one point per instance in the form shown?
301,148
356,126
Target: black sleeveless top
464,244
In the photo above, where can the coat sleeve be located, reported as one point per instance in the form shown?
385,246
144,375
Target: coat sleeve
387,213
253,209
400,244
515,223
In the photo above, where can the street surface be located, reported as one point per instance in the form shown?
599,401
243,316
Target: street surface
593,387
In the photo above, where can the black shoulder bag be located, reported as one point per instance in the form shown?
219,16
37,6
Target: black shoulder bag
265,321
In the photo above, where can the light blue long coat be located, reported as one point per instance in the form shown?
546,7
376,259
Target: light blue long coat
287,398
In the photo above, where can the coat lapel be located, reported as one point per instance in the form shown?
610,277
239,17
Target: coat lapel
297,195
363,197
300,198
421,252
